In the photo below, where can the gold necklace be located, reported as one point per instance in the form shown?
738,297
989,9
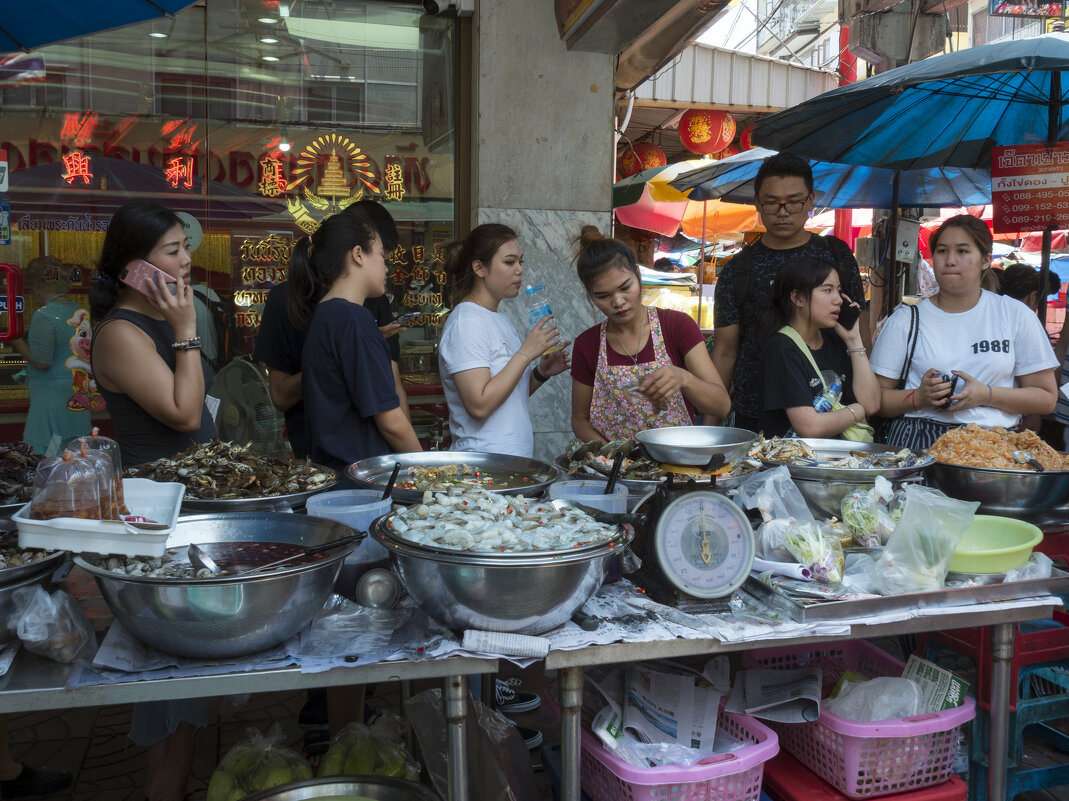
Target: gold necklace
632,356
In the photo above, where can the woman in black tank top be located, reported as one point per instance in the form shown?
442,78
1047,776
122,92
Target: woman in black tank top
147,363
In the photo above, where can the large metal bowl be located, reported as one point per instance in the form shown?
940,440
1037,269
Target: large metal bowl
345,788
1011,493
373,473
521,593
695,445
262,503
228,616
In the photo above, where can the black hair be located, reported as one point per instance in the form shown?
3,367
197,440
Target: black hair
783,165
481,244
801,275
317,261
381,219
1018,281
597,253
665,265
133,233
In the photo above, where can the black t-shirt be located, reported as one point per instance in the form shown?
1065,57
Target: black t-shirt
788,379
347,379
279,345
766,263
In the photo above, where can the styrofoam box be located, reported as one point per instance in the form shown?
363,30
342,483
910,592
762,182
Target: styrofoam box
155,500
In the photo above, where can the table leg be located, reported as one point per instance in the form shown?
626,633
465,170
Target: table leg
570,682
1002,635
456,709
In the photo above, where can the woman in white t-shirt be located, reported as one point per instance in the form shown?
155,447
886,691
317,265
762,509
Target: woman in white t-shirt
487,372
993,347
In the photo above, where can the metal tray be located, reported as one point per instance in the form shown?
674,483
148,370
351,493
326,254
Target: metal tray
637,485
1057,584
11,575
373,473
836,448
266,503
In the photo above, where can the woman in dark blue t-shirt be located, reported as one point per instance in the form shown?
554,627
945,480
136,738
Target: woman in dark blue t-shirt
352,410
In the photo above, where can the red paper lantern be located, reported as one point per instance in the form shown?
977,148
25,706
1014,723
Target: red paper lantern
746,138
703,131
641,157
730,150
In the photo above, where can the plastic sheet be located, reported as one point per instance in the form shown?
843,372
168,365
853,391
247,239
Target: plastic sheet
1038,566
56,627
883,698
376,750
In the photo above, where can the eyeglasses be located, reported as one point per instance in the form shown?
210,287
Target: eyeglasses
792,207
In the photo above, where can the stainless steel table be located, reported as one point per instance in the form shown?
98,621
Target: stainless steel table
34,683
570,664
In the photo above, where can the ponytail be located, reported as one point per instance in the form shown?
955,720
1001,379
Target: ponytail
482,244
597,253
302,293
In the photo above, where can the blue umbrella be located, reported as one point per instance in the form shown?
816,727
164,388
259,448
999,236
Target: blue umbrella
843,186
26,25
949,110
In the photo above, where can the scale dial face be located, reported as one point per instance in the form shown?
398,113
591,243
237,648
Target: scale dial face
704,544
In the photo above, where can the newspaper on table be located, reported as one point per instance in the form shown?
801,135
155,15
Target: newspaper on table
784,696
940,688
670,707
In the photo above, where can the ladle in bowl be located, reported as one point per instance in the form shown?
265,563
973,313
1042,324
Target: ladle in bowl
199,558
1024,457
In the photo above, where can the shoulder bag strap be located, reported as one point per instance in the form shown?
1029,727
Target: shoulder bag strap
797,339
911,345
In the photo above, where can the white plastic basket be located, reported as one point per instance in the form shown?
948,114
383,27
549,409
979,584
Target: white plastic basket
154,500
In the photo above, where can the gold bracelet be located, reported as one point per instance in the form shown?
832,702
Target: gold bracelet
523,353
850,409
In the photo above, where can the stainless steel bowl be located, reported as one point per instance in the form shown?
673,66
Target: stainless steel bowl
7,603
825,498
522,593
695,445
379,788
1004,492
228,615
509,471
263,503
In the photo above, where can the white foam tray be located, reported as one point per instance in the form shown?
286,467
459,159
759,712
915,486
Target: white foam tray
155,500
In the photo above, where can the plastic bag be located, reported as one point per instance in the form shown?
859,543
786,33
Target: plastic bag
56,627
919,551
867,516
105,473
96,442
495,751
653,755
65,486
1038,566
376,750
256,763
883,698
804,542
775,495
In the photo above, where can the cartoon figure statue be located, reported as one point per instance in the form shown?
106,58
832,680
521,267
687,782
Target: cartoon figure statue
86,396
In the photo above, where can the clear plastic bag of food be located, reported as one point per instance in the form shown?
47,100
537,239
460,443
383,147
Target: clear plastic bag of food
805,542
257,763
376,750
919,551
65,486
110,448
774,493
867,516
56,627
105,473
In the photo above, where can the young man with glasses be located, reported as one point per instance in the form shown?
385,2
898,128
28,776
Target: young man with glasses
783,195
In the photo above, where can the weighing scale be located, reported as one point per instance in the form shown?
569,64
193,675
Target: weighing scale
698,545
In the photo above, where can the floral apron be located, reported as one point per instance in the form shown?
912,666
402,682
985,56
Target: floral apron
617,412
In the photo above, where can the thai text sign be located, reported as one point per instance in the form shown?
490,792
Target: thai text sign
1030,187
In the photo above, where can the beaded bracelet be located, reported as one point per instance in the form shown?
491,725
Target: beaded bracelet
193,343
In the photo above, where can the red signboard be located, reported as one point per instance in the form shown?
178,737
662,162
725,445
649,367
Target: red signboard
1030,187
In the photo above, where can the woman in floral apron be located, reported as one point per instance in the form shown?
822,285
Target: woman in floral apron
642,367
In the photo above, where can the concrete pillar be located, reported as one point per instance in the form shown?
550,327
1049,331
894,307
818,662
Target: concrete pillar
542,163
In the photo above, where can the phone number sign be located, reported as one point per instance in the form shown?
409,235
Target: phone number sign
1030,187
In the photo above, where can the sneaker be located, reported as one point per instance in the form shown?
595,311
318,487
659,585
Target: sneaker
508,699
532,738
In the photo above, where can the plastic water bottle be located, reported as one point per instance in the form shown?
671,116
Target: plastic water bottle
538,308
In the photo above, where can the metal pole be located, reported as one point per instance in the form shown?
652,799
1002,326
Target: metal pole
570,682
455,698
1002,635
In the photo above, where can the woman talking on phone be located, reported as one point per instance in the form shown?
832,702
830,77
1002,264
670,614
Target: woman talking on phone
147,363
146,355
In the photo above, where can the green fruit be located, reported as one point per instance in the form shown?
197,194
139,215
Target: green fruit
237,794
302,771
220,786
333,763
277,776
391,769
360,762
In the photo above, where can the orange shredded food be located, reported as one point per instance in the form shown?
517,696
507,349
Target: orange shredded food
974,446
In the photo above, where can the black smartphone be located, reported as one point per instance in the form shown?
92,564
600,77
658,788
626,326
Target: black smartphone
954,381
407,317
848,314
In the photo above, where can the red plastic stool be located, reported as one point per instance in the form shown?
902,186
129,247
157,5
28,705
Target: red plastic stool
787,779
1055,544
1029,648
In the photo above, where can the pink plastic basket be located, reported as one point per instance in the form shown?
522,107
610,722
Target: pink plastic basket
863,760
725,777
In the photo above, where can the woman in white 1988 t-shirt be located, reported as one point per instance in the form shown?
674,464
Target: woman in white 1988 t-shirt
992,346
487,372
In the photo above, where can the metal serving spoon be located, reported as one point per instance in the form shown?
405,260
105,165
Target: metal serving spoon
1024,457
200,559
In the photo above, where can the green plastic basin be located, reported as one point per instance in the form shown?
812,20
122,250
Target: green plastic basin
994,545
